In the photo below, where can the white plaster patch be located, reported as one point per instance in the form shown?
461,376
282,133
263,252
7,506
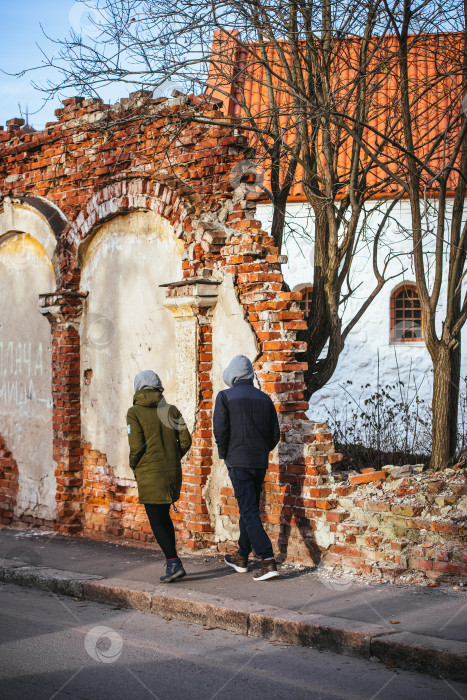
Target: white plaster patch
125,327
323,536
26,371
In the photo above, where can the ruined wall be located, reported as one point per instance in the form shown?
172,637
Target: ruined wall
136,195
399,522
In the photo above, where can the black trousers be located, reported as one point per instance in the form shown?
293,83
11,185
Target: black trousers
162,527
248,484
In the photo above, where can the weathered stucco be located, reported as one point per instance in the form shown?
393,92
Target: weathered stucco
125,327
26,364
231,335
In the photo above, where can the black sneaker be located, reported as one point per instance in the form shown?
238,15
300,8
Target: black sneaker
174,571
268,570
238,562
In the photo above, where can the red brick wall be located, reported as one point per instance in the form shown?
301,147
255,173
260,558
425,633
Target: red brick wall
99,161
8,484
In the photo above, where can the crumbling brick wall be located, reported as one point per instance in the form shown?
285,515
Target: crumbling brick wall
8,484
97,162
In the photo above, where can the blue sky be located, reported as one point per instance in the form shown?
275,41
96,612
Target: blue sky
20,31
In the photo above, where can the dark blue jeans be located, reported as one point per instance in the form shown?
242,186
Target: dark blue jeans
247,484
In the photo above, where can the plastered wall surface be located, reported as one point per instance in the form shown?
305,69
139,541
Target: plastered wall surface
125,327
231,335
368,352
26,371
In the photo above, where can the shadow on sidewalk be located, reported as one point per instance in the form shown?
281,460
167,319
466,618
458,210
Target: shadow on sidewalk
293,513
211,574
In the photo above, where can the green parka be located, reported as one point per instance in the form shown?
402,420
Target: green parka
158,439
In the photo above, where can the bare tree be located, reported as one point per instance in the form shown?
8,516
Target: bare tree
291,76
432,143
336,103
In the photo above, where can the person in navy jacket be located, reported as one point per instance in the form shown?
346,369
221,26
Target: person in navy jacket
246,429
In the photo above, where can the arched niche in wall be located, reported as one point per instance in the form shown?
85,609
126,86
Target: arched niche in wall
27,244
125,327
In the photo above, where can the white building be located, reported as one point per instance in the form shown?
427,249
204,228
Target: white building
386,346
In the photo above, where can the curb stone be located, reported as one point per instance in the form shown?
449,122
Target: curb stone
54,580
445,658
432,655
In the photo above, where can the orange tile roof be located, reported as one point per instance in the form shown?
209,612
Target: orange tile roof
435,102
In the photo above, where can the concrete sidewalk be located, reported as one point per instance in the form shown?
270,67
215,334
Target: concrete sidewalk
413,627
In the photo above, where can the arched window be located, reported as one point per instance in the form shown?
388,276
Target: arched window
305,303
406,315
306,290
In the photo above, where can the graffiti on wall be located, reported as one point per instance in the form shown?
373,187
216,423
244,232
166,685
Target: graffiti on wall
21,366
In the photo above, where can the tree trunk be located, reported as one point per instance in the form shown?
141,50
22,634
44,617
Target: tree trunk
278,221
445,406
454,401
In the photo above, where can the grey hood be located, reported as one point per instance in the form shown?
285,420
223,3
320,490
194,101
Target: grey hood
147,378
239,368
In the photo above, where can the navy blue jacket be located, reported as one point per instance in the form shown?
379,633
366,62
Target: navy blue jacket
246,428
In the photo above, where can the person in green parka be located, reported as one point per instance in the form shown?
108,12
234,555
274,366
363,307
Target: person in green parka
158,439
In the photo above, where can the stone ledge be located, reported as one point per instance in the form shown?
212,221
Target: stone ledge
444,658
438,657
54,580
131,594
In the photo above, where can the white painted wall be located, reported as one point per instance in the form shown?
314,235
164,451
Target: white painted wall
371,336
26,360
125,327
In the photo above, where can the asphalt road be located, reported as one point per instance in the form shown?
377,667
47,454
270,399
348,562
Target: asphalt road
54,647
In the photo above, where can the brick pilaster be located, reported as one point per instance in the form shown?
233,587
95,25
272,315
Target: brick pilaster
63,309
191,302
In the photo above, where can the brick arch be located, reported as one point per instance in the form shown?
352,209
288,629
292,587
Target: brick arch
130,195
191,223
